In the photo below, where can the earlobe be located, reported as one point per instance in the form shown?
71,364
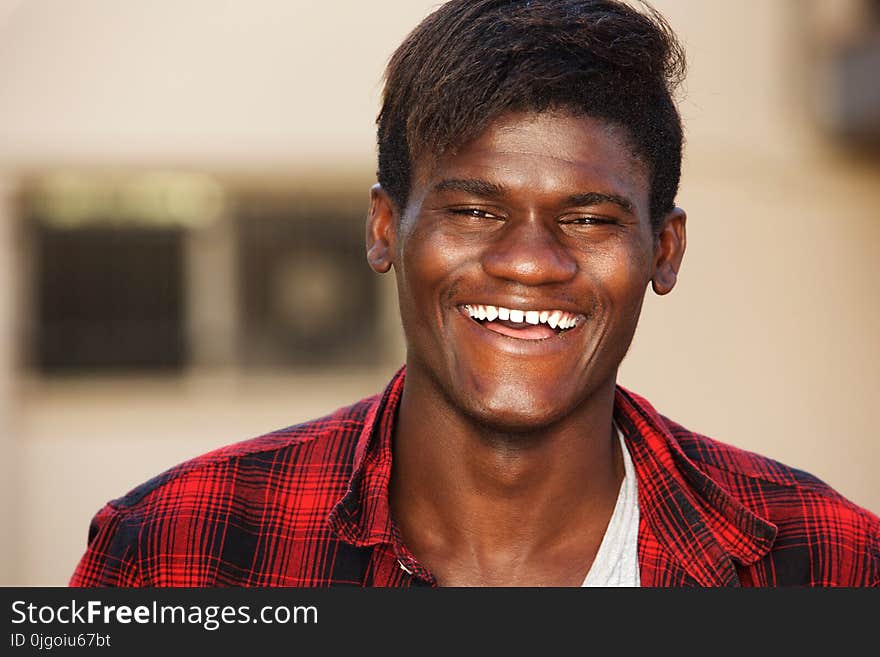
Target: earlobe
669,250
380,230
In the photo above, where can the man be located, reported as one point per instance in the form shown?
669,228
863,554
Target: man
529,158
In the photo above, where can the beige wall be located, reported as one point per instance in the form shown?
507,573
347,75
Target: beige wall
769,342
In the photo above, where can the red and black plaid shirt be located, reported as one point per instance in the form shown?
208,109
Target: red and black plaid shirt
308,506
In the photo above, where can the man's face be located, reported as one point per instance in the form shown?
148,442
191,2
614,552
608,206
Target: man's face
522,260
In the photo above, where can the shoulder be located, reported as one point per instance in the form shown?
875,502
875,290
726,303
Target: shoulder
293,455
815,522
730,462
201,522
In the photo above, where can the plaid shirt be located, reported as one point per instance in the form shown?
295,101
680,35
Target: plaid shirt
308,506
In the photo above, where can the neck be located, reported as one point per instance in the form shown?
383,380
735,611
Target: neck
460,487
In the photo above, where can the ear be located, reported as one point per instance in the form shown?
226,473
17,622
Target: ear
381,224
669,246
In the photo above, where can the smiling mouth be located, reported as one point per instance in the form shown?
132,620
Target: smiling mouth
523,324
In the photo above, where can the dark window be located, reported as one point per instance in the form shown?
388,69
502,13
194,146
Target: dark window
108,298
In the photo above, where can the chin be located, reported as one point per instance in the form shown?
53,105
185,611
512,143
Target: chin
517,413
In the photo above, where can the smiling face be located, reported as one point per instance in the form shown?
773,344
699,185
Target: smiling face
522,260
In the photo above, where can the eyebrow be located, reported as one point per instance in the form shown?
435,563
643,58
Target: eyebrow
598,198
480,187
475,186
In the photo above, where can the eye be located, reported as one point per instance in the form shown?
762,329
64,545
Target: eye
590,220
476,213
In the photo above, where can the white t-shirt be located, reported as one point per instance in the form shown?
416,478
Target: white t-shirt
617,562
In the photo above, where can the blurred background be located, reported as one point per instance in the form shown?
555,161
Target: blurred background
183,185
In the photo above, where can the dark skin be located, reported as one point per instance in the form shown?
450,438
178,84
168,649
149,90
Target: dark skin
506,464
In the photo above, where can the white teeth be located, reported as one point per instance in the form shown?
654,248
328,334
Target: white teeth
553,318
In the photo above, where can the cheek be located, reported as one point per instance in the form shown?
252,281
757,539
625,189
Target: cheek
427,280
432,262
619,278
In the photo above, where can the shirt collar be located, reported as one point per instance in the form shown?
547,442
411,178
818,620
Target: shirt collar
689,512
363,516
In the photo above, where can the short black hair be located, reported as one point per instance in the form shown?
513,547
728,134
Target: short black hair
471,61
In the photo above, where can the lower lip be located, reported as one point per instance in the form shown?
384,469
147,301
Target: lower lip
524,346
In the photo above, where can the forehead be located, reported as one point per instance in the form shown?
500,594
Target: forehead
546,153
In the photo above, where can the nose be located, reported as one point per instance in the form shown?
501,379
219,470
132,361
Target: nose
529,252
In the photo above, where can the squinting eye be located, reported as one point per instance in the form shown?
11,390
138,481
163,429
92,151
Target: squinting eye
475,212
587,221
